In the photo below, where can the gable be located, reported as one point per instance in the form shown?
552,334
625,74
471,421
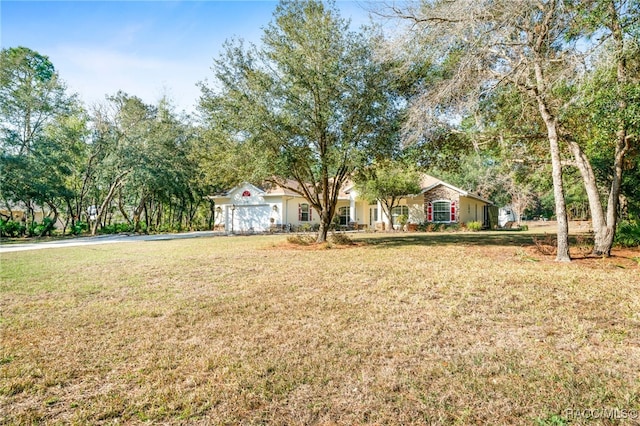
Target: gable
246,193
441,192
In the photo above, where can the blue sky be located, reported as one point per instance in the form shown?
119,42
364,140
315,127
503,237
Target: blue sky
145,48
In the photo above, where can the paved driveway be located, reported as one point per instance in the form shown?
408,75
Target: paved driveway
103,239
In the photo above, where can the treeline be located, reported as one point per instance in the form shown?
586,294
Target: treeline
121,165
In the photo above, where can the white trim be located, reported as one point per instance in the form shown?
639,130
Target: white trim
433,211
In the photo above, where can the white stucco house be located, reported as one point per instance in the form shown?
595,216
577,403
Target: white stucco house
249,208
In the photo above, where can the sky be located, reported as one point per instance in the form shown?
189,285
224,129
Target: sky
149,49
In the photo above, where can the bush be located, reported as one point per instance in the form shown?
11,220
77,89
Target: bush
301,240
547,245
11,228
79,228
474,226
36,229
628,233
341,239
116,228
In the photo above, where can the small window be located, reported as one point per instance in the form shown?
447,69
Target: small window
399,211
442,211
344,215
304,213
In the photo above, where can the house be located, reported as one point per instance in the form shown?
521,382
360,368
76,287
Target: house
249,208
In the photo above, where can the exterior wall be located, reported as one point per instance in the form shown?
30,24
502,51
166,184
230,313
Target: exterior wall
471,210
416,209
440,193
290,215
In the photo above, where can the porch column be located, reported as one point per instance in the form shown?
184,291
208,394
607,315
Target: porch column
352,209
382,215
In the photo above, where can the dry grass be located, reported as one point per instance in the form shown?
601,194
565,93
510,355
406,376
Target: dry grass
406,329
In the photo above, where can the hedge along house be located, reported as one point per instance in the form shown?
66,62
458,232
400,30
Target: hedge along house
248,208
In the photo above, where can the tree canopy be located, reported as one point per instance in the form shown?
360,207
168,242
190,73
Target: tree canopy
311,100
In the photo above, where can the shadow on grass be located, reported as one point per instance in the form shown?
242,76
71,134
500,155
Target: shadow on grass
516,239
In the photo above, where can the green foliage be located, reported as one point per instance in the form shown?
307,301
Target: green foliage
11,228
79,228
310,104
46,227
628,233
474,226
116,228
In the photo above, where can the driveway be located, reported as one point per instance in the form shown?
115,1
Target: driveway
103,239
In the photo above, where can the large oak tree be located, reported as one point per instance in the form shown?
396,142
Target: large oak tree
310,102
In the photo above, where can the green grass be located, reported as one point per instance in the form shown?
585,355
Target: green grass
460,328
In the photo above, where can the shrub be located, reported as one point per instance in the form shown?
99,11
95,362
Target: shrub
341,239
116,228
547,245
11,228
474,226
305,227
628,233
79,228
301,240
36,229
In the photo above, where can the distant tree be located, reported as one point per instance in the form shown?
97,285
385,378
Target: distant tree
310,103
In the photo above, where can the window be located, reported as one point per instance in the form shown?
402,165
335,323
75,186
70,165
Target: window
304,213
399,211
441,211
343,215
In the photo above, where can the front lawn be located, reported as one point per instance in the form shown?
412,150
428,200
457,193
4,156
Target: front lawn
474,328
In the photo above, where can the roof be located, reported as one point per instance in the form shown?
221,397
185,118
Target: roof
427,183
274,189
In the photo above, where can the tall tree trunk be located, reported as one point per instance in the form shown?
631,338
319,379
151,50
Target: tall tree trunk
325,224
137,212
604,225
607,232
551,123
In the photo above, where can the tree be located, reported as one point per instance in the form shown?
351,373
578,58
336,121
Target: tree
310,103
120,131
37,145
387,182
484,45
610,101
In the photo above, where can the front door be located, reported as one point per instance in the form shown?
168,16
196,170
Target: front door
373,216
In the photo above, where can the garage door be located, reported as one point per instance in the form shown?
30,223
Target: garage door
251,218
